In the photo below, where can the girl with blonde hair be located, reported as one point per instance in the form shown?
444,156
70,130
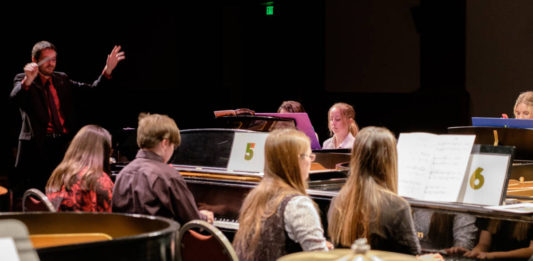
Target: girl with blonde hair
342,126
523,108
277,217
80,182
368,206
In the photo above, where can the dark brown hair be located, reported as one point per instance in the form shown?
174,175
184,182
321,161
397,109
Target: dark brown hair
291,106
39,47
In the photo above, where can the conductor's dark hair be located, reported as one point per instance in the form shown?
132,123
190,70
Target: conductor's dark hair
39,47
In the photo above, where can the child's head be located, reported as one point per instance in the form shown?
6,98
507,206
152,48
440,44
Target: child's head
523,108
341,119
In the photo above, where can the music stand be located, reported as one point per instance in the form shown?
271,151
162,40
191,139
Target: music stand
521,139
502,122
303,123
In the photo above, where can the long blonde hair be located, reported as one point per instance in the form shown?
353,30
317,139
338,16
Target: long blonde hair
89,151
373,168
348,113
282,177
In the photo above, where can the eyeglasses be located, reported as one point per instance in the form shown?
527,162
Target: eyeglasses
311,156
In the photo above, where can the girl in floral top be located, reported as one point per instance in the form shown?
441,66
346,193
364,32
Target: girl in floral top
80,181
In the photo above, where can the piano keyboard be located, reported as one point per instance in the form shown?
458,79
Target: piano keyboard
225,223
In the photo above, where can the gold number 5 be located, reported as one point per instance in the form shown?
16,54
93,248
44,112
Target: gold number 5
249,154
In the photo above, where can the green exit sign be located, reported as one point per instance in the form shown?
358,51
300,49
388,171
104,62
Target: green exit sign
270,10
269,7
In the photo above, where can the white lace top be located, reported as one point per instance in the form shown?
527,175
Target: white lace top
303,225
347,143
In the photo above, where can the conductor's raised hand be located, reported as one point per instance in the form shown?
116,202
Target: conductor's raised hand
31,70
113,59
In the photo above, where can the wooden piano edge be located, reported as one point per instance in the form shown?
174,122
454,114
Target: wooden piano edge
471,209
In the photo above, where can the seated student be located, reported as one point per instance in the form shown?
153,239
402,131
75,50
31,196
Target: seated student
367,205
287,107
277,217
503,240
450,232
148,185
290,107
342,127
523,108
80,181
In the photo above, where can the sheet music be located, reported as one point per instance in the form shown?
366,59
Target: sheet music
432,167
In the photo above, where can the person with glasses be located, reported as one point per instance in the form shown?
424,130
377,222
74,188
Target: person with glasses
278,217
148,185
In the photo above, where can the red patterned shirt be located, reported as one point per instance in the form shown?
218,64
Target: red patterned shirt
76,199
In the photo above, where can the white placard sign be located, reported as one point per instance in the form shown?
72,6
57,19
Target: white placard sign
432,167
248,152
8,251
485,178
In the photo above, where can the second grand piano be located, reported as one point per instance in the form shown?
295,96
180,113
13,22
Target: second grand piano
214,163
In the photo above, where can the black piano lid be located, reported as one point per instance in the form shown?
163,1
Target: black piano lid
521,139
204,148
208,151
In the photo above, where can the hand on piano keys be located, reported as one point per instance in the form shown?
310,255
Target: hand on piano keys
207,216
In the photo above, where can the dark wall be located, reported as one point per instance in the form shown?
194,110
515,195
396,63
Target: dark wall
499,51
191,58
400,63
171,66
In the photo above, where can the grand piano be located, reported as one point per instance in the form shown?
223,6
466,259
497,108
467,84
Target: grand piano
218,176
213,163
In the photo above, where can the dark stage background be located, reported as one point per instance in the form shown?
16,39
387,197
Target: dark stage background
402,64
